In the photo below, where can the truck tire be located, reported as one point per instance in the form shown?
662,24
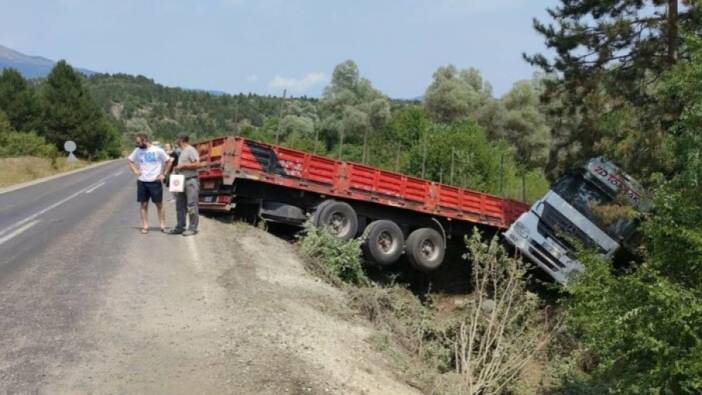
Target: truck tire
425,249
338,219
384,242
318,211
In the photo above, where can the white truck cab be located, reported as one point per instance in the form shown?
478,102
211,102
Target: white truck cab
544,234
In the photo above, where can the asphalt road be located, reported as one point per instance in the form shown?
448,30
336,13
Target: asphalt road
62,242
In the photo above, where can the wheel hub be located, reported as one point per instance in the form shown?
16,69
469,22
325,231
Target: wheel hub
385,242
337,224
428,249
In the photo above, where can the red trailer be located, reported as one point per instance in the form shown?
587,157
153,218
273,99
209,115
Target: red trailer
399,213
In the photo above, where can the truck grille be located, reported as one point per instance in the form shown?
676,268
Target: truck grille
554,225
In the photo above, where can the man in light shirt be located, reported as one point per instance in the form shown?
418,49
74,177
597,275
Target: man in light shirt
147,162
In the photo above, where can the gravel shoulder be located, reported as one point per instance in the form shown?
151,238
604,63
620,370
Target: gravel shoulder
231,310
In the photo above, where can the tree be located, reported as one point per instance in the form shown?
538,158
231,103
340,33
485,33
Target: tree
18,101
352,107
524,124
609,57
69,113
456,95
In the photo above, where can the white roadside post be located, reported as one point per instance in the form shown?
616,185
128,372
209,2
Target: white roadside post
70,146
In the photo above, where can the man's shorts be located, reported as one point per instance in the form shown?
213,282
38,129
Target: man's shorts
149,190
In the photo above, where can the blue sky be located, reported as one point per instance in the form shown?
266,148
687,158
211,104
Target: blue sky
266,46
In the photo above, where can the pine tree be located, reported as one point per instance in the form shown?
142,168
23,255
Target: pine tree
69,113
609,57
18,101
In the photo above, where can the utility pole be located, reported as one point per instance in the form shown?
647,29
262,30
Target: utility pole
453,151
424,156
502,171
397,159
280,117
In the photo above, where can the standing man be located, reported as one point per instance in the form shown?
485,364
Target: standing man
147,163
188,163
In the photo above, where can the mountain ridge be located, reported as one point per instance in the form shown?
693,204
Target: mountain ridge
30,66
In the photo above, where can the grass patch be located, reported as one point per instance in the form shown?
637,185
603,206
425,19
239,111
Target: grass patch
27,168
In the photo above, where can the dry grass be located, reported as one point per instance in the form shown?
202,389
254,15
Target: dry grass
28,168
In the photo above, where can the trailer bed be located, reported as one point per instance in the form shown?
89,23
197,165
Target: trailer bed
232,158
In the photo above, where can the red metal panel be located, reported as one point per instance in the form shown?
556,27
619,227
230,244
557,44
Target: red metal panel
321,169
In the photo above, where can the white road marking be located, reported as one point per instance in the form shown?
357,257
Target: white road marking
18,231
95,187
118,173
192,246
43,211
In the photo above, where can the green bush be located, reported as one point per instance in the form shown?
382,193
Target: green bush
25,144
339,261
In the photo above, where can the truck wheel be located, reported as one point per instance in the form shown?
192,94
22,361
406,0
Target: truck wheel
339,220
425,249
318,212
384,242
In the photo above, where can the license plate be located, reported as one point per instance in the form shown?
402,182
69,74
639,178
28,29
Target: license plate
209,199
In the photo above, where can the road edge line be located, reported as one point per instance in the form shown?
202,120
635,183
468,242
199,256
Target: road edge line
55,176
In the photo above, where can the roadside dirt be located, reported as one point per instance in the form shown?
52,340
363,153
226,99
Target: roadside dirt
231,310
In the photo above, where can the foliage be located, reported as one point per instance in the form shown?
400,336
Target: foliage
338,260
502,331
14,144
18,101
645,326
136,103
69,113
459,95
525,124
609,56
352,108
460,154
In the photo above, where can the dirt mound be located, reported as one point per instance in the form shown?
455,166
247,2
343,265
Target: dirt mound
300,323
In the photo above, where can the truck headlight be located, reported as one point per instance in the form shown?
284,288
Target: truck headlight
521,230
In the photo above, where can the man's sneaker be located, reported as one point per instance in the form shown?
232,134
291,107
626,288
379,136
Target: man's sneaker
176,231
190,233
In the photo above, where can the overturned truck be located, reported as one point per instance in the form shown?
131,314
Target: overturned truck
398,213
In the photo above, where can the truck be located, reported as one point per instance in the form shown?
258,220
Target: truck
398,214
567,215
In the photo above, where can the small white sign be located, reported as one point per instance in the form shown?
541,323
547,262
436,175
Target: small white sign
70,146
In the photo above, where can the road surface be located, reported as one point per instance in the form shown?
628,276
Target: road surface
90,305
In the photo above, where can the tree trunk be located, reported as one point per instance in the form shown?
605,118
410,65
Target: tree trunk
672,31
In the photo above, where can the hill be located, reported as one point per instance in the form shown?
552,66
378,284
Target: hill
137,103
30,66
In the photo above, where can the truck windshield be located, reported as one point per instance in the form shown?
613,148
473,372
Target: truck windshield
583,195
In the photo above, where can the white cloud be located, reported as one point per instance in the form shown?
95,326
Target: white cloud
252,78
302,85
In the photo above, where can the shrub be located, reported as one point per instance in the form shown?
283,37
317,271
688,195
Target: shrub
503,330
338,261
25,144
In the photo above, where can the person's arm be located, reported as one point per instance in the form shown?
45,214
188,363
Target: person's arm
132,166
167,168
193,165
190,166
